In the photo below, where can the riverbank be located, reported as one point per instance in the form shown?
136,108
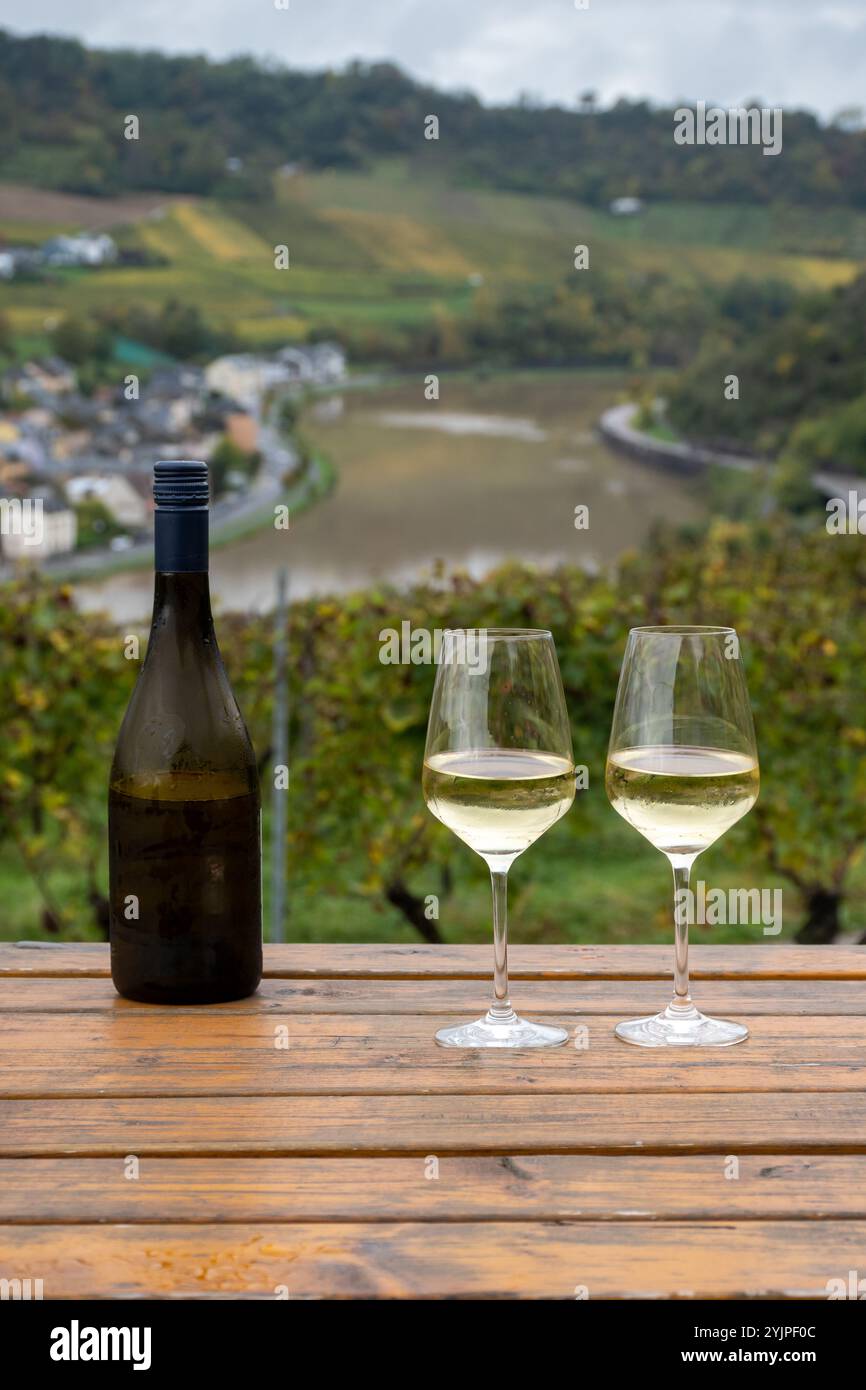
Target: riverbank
617,425
491,471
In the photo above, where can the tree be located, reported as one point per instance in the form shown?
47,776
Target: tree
96,524
182,330
80,341
226,458
835,442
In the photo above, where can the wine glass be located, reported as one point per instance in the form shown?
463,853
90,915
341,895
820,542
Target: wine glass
498,771
682,768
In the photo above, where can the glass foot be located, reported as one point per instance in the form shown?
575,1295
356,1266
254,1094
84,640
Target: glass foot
506,1031
678,1027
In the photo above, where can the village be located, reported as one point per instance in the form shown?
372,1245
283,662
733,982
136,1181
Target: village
87,460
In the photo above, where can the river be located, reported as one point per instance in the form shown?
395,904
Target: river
492,470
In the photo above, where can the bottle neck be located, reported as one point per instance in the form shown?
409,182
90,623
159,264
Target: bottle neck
181,607
181,597
181,540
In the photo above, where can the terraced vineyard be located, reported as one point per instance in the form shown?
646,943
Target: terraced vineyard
395,247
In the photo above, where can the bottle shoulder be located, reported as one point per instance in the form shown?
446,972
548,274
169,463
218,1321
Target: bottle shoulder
183,715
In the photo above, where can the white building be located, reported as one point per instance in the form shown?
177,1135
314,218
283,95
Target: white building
51,528
244,378
626,207
86,248
316,364
116,494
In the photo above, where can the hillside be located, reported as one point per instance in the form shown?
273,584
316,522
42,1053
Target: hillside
804,387
222,129
378,258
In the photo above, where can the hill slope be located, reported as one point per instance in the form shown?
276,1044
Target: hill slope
223,128
371,252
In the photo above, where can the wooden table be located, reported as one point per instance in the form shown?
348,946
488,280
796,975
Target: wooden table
314,1142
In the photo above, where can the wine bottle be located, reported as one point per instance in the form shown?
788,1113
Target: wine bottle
184,807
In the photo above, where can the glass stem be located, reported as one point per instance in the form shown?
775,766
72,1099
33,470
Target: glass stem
500,1010
682,868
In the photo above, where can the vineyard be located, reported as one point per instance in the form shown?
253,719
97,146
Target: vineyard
363,854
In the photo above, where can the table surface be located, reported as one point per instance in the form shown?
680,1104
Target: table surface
314,1142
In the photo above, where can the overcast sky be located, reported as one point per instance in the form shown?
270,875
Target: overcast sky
788,52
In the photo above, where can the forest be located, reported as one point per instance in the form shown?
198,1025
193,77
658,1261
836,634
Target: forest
223,128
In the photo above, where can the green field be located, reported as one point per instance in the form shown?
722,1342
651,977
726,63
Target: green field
392,248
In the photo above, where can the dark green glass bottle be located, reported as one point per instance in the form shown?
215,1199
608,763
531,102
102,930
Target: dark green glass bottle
184,807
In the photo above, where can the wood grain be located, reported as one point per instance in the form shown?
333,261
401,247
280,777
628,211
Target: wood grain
622,998
543,1187
142,1053
764,960
307,1167
387,1124
526,1260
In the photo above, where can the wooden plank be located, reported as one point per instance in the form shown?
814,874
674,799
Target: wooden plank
763,960
545,1187
418,1260
779,1123
145,1054
53,958
616,998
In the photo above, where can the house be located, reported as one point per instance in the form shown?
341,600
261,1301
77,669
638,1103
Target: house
115,492
315,364
180,379
164,417
329,363
41,524
626,207
45,377
115,437
13,477
15,259
243,431
30,445
142,481
244,377
68,443
84,249
297,363
81,412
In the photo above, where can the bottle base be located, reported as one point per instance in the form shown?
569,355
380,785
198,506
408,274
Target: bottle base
152,994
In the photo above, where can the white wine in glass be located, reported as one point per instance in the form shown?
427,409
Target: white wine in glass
498,771
682,768
681,799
